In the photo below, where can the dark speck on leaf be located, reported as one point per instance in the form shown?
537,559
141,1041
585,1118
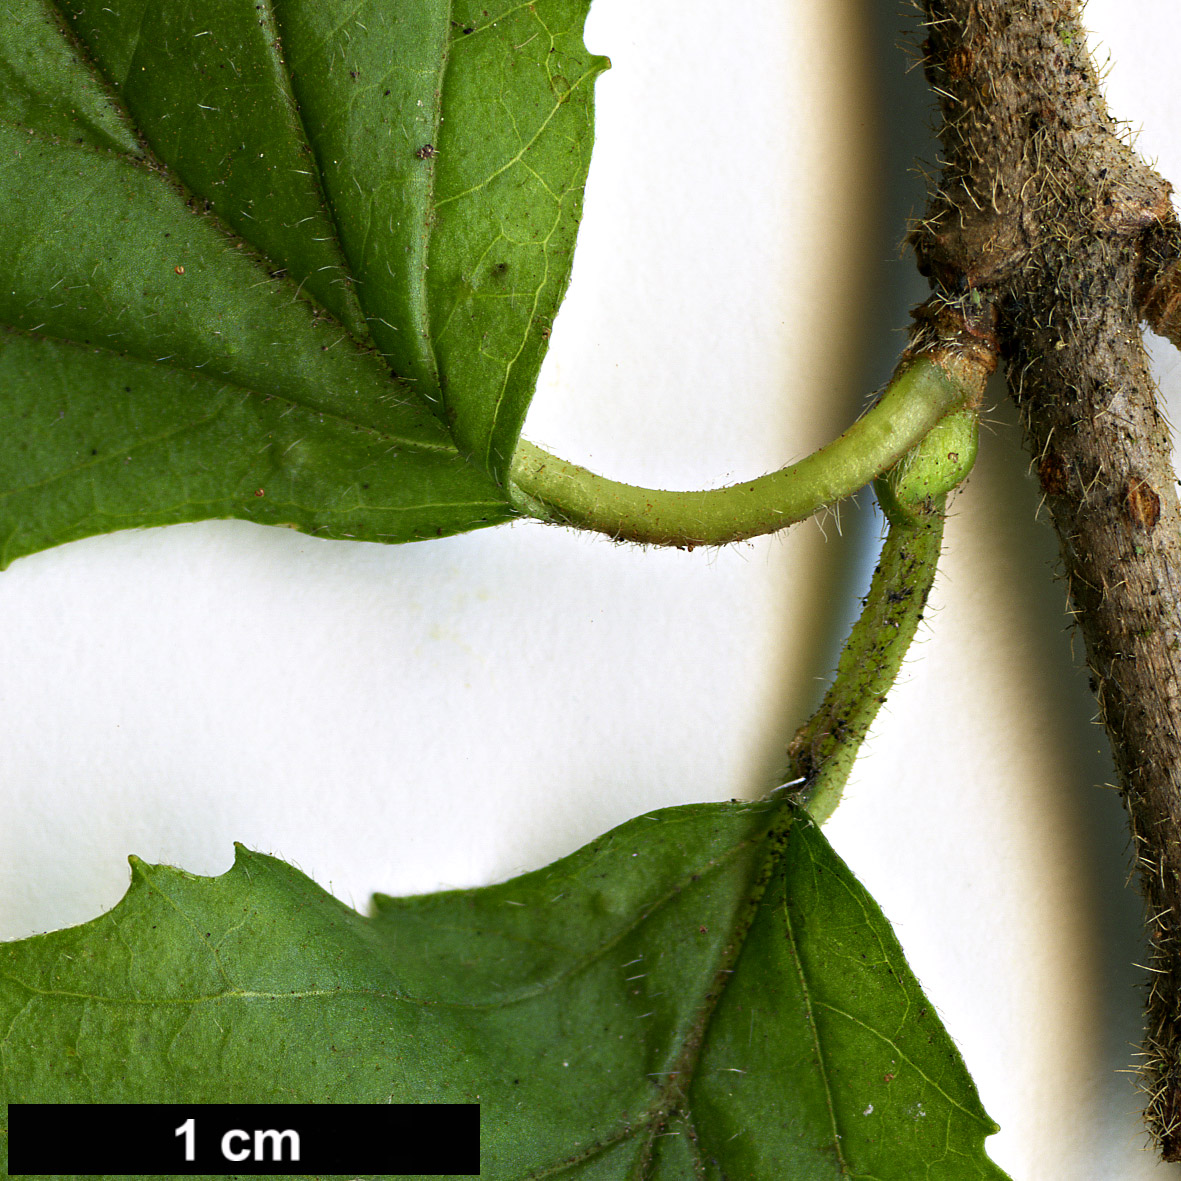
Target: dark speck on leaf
427,152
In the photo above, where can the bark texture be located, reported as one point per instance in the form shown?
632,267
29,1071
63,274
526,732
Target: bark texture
1044,211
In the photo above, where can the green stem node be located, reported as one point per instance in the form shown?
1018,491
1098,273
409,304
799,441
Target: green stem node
929,471
920,395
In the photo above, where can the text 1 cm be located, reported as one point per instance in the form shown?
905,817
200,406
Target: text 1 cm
239,1145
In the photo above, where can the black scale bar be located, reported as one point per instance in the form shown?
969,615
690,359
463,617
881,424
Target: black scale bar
224,1139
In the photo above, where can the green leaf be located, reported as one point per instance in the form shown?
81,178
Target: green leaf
274,262
705,992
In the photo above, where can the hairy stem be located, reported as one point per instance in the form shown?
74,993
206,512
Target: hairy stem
1043,206
924,389
913,494
824,748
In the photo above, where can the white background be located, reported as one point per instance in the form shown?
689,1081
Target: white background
455,712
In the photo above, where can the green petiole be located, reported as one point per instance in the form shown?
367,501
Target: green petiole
824,748
917,443
922,393
913,495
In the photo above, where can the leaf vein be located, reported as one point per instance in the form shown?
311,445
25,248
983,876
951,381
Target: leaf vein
283,79
529,144
130,449
821,1064
508,369
592,957
901,1054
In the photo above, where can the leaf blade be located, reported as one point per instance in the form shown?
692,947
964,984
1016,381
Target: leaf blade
508,206
208,449
563,1000
234,190
44,85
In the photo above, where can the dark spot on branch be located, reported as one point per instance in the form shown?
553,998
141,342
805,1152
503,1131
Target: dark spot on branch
959,62
1143,504
1052,474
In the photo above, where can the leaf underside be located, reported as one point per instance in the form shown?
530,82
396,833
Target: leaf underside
279,261
705,992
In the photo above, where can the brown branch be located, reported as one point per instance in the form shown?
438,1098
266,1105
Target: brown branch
1043,209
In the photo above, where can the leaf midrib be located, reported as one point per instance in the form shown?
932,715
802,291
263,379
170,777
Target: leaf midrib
676,1091
287,84
192,424
814,1030
672,1095
418,293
